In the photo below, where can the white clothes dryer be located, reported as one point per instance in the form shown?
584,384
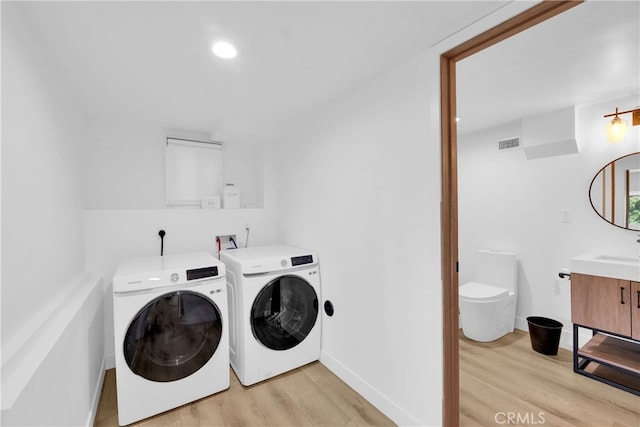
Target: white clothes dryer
171,333
274,316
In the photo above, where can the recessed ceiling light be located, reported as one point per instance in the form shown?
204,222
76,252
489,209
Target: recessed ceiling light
224,50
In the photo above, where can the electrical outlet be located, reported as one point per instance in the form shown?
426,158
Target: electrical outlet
565,215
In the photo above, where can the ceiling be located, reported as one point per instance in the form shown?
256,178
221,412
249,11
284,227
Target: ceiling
590,53
151,61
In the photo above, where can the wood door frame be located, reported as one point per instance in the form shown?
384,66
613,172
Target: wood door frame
449,207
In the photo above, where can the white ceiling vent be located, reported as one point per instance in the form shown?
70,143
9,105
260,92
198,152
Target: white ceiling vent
509,143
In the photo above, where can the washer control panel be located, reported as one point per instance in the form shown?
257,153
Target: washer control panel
202,273
301,260
149,273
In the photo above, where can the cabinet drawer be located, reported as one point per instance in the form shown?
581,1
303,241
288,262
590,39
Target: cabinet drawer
601,303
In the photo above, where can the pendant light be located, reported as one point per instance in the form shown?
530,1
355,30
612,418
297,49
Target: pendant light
617,129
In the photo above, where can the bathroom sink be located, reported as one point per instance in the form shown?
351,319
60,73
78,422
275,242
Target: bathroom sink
598,264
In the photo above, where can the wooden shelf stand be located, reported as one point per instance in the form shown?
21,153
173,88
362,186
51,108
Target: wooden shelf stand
609,358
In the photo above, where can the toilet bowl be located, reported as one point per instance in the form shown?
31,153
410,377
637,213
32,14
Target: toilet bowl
488,304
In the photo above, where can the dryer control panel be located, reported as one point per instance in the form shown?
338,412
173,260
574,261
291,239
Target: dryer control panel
268,259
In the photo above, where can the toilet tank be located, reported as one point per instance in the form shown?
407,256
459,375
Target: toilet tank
497,269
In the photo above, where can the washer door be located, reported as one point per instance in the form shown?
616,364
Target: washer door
173,336
284,312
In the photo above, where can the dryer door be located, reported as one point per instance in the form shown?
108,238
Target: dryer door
173,336
284,312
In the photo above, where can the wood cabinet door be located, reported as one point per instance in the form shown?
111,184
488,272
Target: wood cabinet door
601,303
635,310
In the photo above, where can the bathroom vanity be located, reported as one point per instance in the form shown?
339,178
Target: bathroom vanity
605,288
609,306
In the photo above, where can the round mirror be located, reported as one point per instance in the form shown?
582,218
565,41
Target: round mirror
615,192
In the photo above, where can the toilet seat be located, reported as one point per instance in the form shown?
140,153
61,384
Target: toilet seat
474,291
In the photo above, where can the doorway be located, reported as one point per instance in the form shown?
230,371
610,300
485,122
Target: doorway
449,210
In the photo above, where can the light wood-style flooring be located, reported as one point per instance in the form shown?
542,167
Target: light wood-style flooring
506,378
308,396
501,383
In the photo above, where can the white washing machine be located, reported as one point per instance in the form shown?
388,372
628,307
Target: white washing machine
274,314
171,333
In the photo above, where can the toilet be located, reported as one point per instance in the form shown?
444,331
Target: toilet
488,304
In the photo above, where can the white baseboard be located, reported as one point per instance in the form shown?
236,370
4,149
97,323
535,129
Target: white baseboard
374,396
95,401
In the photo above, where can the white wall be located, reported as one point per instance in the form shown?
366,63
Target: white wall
115,235
126,162
513,204
42,176
43,196
126,201
360,185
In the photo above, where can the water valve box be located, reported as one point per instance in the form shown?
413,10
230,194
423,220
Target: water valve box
225,242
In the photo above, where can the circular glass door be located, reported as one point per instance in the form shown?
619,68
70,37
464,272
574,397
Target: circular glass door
173,336
284,312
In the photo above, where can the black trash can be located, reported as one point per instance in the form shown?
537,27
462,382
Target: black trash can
544,334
